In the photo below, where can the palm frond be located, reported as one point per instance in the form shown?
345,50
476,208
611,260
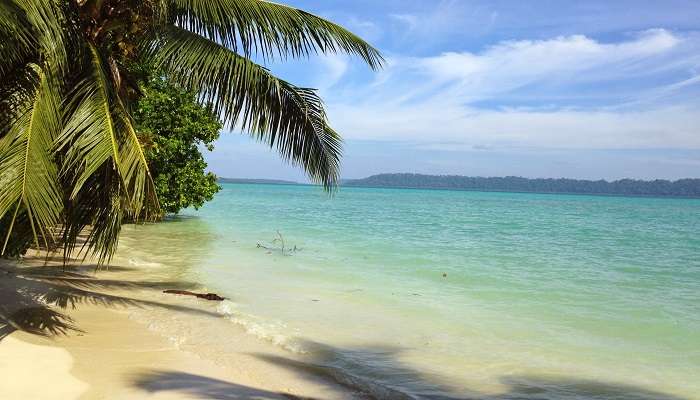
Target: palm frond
287,117
28,174
18,40
99,129
135,171
22,235
103,163
17,91
89,138
97,207
50,30
269,29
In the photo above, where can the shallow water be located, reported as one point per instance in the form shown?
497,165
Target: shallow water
442,294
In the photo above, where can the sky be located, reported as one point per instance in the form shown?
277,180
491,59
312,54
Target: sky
586,90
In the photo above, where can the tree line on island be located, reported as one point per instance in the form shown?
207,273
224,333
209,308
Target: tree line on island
623,187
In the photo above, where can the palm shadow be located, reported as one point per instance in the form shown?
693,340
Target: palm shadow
202,387
32,299
373,370
342,366
520,388
569,388
34,296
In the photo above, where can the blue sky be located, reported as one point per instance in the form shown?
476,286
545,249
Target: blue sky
594,89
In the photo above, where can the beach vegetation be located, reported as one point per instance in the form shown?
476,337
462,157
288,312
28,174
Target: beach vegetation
70,154
174,128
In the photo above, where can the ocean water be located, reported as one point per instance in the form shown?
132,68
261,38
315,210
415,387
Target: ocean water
446,294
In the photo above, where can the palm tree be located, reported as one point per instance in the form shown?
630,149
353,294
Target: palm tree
69,155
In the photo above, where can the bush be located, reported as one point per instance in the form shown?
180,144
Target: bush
174,128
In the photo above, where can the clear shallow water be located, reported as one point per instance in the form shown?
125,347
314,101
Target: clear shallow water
443,294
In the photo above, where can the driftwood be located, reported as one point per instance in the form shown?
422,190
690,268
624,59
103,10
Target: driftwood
205,296
286,251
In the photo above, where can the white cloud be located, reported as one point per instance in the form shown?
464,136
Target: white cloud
672,127
334,67
436,98
510,65
409,19
561,54
366,29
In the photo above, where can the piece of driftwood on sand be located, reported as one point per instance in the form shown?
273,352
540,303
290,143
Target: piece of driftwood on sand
205,296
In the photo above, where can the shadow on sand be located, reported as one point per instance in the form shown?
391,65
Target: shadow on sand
201,387
384,362
31,297
415,384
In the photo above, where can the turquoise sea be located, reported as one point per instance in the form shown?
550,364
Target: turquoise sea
448,294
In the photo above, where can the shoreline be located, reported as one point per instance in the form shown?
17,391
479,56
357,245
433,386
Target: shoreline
113,353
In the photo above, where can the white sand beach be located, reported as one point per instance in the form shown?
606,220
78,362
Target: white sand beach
112,356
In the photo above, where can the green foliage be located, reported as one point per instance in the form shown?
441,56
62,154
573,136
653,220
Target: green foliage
174,127
70,157
20,224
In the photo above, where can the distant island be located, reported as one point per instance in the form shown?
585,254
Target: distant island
623,187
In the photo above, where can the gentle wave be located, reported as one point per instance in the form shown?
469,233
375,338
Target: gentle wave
142,263
270,331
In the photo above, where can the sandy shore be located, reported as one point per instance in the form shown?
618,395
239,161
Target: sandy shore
105,353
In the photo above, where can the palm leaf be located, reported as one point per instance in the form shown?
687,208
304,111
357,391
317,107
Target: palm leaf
269,29
18,41
287,117
89,138
103,162
50,31
28,174
97,209
135,171
17,92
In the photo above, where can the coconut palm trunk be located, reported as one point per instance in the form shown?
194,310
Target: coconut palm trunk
70,157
